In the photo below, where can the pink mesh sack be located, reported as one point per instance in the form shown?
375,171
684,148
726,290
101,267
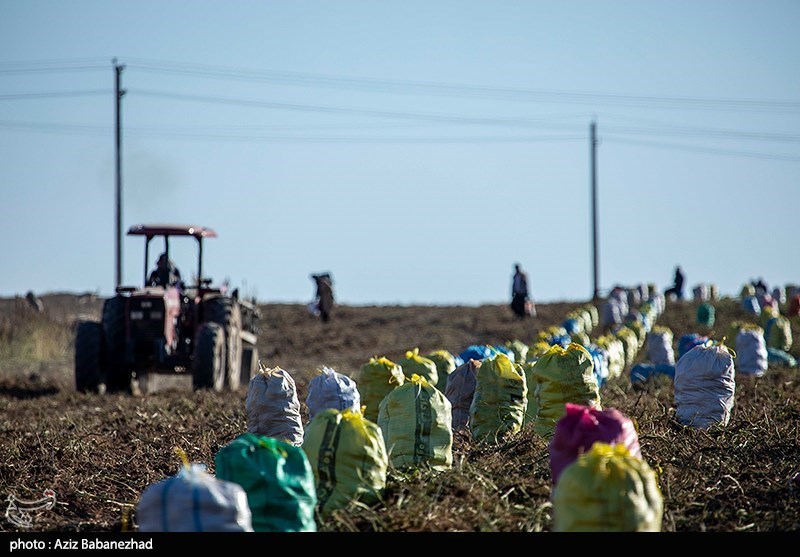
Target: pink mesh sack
581,426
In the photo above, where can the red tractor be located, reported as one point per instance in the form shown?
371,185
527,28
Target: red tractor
175,328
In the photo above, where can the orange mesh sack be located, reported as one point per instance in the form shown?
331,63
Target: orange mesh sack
607,489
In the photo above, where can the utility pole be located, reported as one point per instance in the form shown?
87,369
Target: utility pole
118,95
593,154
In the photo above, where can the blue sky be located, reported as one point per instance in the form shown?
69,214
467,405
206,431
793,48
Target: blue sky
416,150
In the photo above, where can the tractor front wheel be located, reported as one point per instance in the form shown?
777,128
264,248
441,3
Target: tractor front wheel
89,352
208,367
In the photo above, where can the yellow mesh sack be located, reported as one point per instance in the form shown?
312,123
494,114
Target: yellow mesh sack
595,315
414,363
580,338
606,489
375,380
616,354
532,407
586,316
500,400
348,457
445,364
519,349
767,313
416,421
537,350
638,328
778,333
734,329
630,344
562,375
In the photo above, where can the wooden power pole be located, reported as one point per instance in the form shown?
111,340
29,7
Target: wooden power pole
118,95
593,153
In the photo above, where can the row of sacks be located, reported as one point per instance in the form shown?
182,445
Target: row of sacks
704,376
622,301
274,477
781,294
414,428
755,349
263,484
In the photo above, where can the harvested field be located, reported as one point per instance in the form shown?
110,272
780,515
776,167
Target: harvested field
99,452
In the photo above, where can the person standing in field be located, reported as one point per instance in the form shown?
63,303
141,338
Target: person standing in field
677,288
521,304
324,295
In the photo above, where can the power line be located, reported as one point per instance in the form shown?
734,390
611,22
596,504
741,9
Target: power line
699,149
54,94
287,138
54,65
441,118
479,91
411,87
186,135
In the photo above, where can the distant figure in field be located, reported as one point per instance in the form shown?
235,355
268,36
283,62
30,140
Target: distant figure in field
760,286
34,301
165,274
677,288
324,295
521,304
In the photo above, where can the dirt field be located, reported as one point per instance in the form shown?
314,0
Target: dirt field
99,452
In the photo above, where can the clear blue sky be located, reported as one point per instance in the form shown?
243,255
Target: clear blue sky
415,149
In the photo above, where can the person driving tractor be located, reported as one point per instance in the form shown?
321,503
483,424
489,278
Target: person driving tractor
165,274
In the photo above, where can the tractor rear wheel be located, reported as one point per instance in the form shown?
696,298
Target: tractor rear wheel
228,314
89,352
117,376
249,364
208,368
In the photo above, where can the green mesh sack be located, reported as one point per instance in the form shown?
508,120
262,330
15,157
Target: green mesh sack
583,318
616,354
778,333
445,365
595,315
580,338
537,350
641,333
348,457
532,406
767,313
413,363
553,331
519,349
563,375
706,315
375,380
416,421
606,489
747,291
734,329
500,401
630,343
277,478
